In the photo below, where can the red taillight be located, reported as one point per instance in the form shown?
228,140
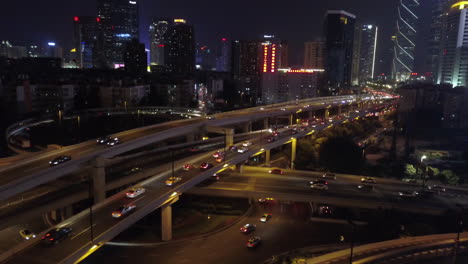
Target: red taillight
48,234
51,239
43,237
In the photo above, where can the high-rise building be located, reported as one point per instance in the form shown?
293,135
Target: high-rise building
314,54
13,52
223,54
454,56
438,18
271,54
179,52
135,57
204,57
88,42
405,39
157,29
119,20
339,34
365,47
284,55
246,67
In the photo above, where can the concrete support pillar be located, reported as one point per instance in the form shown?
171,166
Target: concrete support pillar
293,153
99,180
267,156
266,124
327,114
190,137
240,168
310,114
229,137
291,119
166,222
247,127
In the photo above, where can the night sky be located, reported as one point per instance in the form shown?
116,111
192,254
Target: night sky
296,21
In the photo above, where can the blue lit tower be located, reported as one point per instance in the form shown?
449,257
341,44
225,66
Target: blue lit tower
405,39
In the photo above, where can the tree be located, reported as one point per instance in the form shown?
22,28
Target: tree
341,154
410,170
450,177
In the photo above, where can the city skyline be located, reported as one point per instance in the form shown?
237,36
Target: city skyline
210,21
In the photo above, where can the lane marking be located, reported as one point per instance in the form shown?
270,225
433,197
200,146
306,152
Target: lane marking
82,232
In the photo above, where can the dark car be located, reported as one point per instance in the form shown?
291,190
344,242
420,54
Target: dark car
233,148
248,228
103,140
59,160
54,236
206,166
254,242
276,171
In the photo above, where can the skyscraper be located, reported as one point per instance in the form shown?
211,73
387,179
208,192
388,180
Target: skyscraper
179,50
271,53
223,54
157,29
438,18
314,54
119,20
88,41
135,58
454,56
405,39
339,34
246,67
365,47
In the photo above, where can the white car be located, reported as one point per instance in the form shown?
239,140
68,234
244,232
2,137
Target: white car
26,234
243,150
247,144
123,210
408,194
135,192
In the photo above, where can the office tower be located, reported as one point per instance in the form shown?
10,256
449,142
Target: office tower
405,39
314,54
53,50
157,29
179,52
454,57
223,54
10,51
135,58
364,52
88,42
119,20
438,17
284,55
339,35
246,67
204,58
270,53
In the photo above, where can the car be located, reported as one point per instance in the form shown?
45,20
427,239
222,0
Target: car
365,187
243,150
264,200
283,109
113,142
232,148
293,132
27,234
206,166
368,180
408,194
103,140
135,192
436,188
218,154
276,171
265,217
172,181
271,139
262,108
319,185
331,176
187,167
123,210
254,242
248,228
59,160
210,117
54,236
325,210
247,144
220,159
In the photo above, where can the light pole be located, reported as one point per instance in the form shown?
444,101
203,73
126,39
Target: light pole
459,230
423,171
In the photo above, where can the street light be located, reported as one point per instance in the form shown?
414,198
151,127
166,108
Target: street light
422,172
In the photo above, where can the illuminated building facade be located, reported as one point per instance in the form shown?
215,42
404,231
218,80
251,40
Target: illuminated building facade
157,29
285,85
438,17
314,54
365,47
339,34
179,50
405,39
119,20
223,54
88,42
454,57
